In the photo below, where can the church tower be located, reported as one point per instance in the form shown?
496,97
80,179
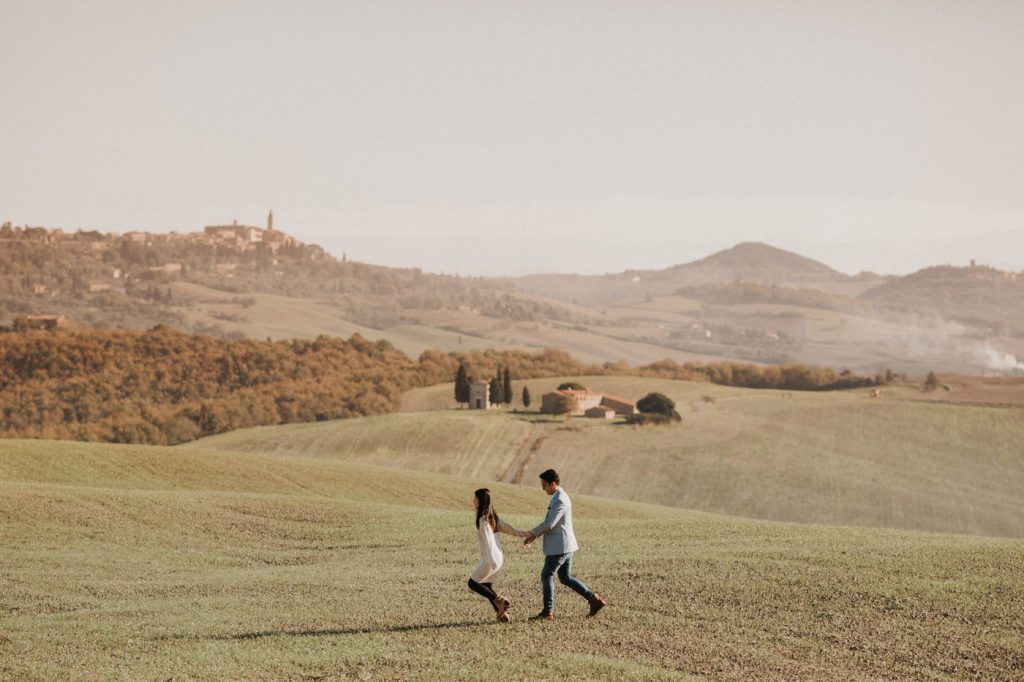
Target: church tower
270,220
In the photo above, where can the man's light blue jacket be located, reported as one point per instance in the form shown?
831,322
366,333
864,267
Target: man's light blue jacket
556,528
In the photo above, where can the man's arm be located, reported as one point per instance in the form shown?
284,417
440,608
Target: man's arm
555,513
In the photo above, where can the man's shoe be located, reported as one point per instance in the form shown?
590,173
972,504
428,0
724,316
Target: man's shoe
504,618
502,605
543,615
596,604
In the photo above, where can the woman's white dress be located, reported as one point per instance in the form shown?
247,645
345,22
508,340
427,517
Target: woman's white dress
491,558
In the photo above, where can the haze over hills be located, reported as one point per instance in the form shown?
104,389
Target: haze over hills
752,302
751,262
973,295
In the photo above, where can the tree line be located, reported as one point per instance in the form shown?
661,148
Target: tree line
499,386
164,387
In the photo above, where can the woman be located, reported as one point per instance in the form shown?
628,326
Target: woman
491,558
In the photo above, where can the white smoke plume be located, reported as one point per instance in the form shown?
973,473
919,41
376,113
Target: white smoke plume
1000,360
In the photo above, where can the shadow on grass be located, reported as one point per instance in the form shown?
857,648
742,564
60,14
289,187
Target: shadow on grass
355,631
329,632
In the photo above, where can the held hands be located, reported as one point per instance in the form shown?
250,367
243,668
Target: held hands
529,538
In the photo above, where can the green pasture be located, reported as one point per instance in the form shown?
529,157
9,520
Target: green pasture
134,562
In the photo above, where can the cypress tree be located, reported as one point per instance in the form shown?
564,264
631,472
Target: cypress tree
461,385
526,396
507,381
495,396
465,386
499,397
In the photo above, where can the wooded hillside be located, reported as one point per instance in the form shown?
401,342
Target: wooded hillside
163,386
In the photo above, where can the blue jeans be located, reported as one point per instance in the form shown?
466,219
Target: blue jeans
562,565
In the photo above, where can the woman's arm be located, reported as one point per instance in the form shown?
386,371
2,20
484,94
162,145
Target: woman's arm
511,530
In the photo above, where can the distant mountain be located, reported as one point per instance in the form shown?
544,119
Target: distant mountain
755,262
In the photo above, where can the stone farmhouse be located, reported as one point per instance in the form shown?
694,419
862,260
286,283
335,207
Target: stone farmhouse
480,395
600,412
589,404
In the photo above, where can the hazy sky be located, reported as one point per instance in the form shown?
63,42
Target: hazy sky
511,137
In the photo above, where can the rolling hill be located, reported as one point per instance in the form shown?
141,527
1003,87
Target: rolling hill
838,458
752,302
266,315
985,298
158,563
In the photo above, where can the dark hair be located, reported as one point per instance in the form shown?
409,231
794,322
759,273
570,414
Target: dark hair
485,508
550,476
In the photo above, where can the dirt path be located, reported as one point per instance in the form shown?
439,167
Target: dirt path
527,451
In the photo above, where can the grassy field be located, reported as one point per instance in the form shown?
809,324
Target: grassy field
838,458
188,563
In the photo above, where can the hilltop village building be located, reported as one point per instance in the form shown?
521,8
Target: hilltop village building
240,237
588,404
245,237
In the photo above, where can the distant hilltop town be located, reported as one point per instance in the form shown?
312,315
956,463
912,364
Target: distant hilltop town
245,236
201,281
51,277
235,236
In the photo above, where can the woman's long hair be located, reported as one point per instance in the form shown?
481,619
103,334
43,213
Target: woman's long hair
485,508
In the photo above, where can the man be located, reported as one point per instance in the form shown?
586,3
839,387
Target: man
559,544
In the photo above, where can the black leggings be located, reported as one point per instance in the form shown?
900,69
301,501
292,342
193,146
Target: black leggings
485,591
